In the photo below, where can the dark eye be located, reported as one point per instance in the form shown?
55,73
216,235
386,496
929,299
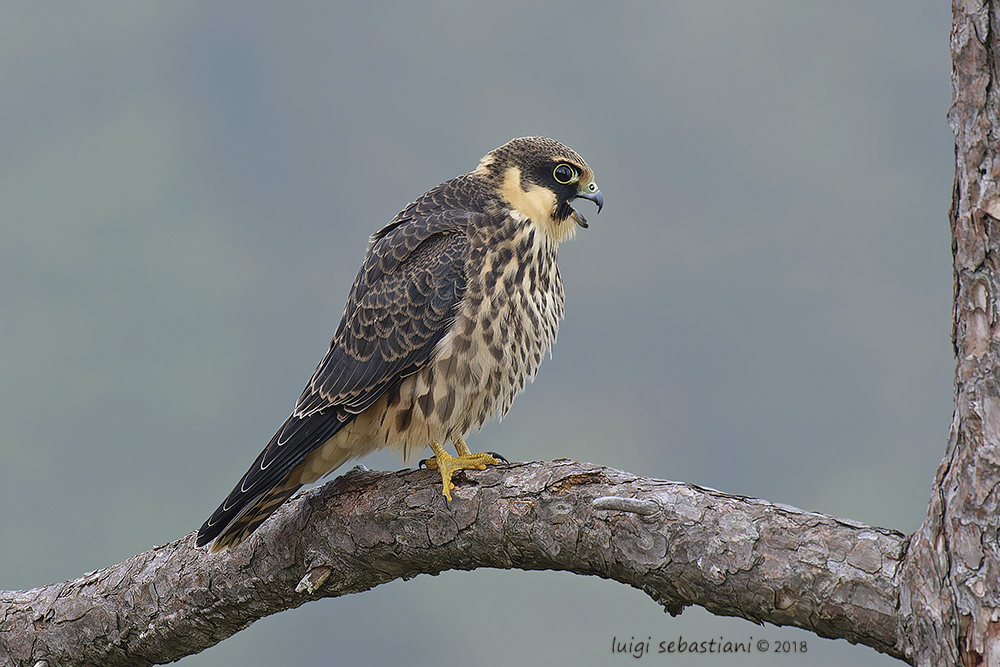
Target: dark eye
565,174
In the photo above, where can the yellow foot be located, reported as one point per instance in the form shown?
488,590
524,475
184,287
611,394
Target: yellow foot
449,465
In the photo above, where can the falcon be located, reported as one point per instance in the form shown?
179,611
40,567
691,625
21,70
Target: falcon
457,301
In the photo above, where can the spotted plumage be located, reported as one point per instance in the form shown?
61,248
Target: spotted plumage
456,303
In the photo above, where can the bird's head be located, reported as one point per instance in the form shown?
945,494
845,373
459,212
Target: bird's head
539,178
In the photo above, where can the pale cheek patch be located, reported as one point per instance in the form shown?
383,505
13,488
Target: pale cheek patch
536,204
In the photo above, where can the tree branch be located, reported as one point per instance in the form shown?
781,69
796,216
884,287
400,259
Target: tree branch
680,543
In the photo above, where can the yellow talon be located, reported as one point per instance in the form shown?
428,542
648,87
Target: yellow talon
449,465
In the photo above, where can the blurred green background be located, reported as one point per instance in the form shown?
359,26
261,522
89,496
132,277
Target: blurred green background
763,307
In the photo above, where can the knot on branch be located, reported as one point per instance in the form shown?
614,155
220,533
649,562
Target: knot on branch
640,507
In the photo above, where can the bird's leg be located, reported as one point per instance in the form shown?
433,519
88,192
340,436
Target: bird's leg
461,447
449,464
463,451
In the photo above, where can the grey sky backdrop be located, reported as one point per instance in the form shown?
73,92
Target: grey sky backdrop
763,307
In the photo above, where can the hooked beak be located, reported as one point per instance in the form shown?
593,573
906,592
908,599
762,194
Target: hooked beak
593,195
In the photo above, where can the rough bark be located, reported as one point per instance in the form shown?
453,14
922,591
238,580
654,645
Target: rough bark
950,601
679,543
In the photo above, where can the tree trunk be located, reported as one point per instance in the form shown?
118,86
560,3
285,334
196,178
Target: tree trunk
949,584
932,598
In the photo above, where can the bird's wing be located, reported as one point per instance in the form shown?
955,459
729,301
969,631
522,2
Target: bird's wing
402,302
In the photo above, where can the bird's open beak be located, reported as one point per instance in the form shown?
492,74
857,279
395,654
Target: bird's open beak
593,195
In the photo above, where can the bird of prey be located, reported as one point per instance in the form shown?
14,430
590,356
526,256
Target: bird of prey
458,299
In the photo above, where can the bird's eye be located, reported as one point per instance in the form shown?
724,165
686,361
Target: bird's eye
565,174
